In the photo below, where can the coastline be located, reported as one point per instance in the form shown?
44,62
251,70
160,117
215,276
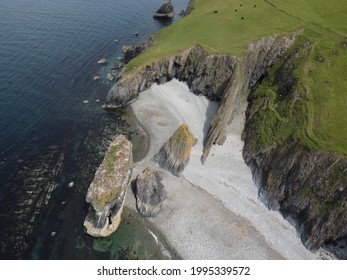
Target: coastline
211,212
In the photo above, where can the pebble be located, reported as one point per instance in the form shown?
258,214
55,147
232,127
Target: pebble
85,101
53,233
71,184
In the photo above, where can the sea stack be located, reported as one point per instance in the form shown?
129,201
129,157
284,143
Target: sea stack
106,194
175,153
166,11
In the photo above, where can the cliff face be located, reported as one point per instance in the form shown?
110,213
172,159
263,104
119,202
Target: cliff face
309,188
223,78
205,75
107,192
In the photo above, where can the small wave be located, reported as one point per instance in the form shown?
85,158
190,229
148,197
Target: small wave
162,248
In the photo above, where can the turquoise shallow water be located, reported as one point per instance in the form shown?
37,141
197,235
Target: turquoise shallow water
48,137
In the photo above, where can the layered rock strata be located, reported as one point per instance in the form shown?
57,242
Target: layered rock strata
222,78
308,187
175,153
107,192
149,193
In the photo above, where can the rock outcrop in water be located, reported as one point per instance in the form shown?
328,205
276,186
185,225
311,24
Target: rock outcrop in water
175,153
150,193
165,11
107,192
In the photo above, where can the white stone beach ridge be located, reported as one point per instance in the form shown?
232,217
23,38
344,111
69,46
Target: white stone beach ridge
212,210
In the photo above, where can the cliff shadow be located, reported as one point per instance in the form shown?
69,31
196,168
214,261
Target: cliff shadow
211,111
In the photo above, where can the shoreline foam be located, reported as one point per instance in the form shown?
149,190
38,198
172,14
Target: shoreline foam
212,210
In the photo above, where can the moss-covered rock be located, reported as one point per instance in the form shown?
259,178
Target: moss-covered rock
175,153
107,192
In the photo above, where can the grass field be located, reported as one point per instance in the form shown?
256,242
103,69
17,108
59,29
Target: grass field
227,26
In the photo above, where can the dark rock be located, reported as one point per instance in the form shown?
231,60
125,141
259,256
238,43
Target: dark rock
134,51
305,187
175,153
165,11
193,66
228,83
107,192
150,193
260,55
308,187
188,9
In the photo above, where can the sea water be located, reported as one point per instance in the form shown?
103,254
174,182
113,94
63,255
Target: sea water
53,130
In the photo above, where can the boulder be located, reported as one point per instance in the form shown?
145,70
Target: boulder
150,193
106,194
165,11
175,153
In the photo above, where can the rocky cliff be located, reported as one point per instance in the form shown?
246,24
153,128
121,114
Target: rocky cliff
131,52
205,75
107,192
222,78
309,188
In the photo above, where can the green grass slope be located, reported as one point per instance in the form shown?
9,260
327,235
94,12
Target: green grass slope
228,26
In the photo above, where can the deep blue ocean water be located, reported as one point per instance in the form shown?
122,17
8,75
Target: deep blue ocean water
48,136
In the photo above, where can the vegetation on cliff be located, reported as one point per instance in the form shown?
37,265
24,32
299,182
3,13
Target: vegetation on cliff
296,136
229,26
298,172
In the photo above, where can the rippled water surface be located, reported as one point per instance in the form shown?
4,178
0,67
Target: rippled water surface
49,137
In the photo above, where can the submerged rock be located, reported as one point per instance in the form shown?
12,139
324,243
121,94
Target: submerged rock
107,192
150,193
165,11
175,153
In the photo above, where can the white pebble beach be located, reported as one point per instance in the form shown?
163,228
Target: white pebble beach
212,211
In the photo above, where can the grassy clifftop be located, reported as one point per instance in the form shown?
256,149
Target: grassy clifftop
228,26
